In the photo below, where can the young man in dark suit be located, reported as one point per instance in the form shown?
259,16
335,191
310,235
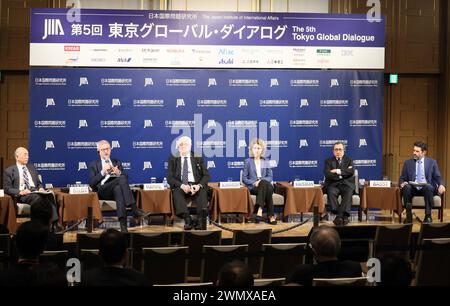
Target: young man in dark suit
188,177
21,179
425,172
339,180
106,176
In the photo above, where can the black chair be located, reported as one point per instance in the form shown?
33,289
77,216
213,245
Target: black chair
262,282
195,240
255,240
392,239
433,268
57,257
146,240
5,251
280,259
215,256
87,241
90,259
431,231
438,203
167,265
350,281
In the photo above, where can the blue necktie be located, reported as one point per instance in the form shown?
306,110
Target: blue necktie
185,177
420,177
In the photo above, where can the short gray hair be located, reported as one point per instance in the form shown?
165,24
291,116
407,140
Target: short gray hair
325,241
99,143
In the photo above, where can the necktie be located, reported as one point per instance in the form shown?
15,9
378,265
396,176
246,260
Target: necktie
339,162
26,181
185,171
420,177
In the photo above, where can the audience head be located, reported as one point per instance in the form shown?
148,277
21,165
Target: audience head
104,149
325,243
420,149
21,155
235,273
395,270
257,148
339,149
184,145
41,211
113,247
31,238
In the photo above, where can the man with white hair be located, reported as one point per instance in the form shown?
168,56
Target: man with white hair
188,177
106,176
21,181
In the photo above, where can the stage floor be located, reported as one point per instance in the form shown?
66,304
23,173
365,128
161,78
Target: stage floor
279,230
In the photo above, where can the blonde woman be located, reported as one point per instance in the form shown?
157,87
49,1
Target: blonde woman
258,177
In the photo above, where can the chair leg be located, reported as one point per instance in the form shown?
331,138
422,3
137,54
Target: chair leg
359,214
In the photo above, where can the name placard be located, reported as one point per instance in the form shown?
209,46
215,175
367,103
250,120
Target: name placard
154,186
2,193
303,184
236,184
380,184
79,190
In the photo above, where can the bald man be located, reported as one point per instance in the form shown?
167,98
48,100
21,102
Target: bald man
21,179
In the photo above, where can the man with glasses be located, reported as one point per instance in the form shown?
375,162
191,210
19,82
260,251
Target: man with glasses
106,176
339,181
188,177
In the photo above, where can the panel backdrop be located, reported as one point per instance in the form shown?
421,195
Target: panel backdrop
141,111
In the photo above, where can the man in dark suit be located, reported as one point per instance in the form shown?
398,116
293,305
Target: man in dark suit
106,176
188,177
423,171
22,179
325,245
339,180
114,253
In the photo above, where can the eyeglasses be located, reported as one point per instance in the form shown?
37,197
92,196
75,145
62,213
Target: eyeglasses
338,149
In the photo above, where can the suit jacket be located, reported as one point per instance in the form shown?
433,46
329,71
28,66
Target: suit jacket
11,179
432,173
200,172
249,175
347,172
95,175
113,276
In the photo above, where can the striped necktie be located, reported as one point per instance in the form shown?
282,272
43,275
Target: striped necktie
185,176
26,180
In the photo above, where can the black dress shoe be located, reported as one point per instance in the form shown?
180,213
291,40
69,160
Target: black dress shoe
345,220
324,218
56,227
139,213
427,219
274,222
188,224
338,221
123,227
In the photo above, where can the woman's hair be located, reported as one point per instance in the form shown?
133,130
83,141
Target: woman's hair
257,141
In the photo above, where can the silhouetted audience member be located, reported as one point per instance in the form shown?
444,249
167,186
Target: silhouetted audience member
42,212
395,271
325,245
114,253
31,238
235,273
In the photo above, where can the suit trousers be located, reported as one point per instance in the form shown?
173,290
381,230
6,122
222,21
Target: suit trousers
180,201
346,193
49,200
426,191
264,193
118,190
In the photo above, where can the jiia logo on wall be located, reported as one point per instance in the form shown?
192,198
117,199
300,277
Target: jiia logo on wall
242,102
82,123
333,122
49,102
147,165
49,145
82,166
83,81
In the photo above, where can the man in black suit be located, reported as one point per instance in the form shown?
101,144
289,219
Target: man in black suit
114,253
22,179
31,238
325,244
106,176
188,177
339,180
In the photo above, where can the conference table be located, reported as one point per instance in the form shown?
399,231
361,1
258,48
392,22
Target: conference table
155,201
300,199
230,200
8,213
387,198
73,207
